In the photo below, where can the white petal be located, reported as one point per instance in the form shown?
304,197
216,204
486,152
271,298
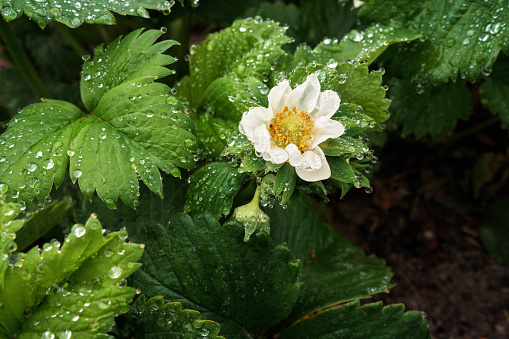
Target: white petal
357,3
321,173
304,96
255,117
277,155
261,139
327,104
294,157
326,128
277,96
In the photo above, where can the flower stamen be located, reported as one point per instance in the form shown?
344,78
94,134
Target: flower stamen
291,127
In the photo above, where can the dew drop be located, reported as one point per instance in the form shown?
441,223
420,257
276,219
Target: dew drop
48,164
115,272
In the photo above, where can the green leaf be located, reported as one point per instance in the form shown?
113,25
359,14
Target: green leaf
151,208
353,321
8,229
213,187
495,91
197,262
333,270
494,231
300,227
73,14
135,128
362,45
286,179
461,36
247,48
153,319
339,273
214,133
41,222
228,98
430,109
71,288
342,145
341,170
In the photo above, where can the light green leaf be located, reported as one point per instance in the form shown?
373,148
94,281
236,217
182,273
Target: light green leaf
286,179
495,91
247,48
353,321
342,145
69,288
8,229
196,262
430,109
75,13
41,222
135,128
461,36
154,319
341,170
213,187
360,45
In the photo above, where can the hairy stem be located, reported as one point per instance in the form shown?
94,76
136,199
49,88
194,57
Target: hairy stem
21,60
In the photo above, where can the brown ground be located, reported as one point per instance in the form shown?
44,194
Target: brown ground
438,259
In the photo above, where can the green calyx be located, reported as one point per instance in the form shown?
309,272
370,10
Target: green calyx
252,217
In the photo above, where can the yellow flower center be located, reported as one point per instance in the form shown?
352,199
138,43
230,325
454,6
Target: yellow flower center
290,127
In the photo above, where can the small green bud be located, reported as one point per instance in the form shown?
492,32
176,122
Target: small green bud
252,217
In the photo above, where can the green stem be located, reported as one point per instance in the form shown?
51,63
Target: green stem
21,60
255,202
473,129
71,40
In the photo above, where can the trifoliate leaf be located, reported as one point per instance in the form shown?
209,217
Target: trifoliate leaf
134,129
461,36
8,229
75,13
41,222
197,262
430,109
68,289
495,91
153,319
247,48
494,231
353,321
213,187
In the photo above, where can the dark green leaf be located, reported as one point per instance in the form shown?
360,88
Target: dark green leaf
8,229
74,13
153,319
494,231
362,45
342,145
41,222
461,36
213,187
285,181
353,321
430,109
214,133
197,262
495,91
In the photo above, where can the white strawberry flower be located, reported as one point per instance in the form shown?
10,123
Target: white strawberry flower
293,126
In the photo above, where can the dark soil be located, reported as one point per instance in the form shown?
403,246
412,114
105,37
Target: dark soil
440,265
